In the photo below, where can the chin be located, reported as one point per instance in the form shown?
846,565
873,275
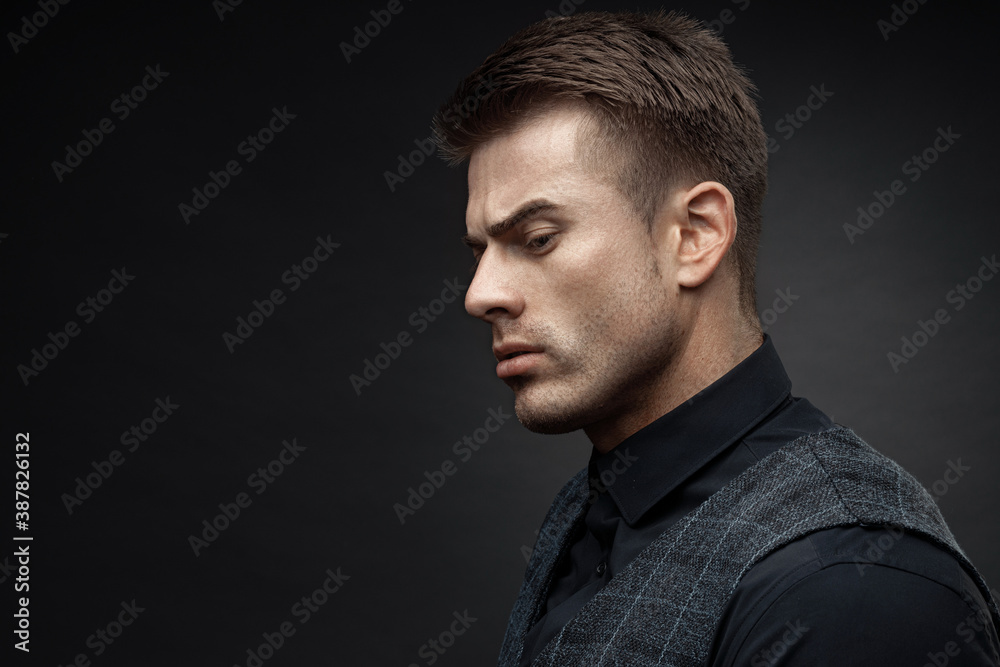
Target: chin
549,412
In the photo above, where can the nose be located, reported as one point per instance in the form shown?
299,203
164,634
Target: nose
492,293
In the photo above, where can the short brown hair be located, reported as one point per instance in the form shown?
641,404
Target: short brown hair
670,105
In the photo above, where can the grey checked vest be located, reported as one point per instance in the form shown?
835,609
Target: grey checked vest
663,608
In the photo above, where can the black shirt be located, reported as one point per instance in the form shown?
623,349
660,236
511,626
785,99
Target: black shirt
840,596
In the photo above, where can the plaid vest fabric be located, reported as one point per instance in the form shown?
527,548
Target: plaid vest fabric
664,607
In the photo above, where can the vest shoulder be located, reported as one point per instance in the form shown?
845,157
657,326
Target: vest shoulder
871,486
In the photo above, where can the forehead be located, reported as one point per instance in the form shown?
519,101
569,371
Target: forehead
538,160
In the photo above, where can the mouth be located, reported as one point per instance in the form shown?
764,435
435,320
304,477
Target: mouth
511,350
516,358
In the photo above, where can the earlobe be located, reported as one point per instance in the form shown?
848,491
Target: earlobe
706,233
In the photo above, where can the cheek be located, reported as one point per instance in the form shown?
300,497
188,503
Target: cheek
598,263
580,290
616,277
598,275
600,295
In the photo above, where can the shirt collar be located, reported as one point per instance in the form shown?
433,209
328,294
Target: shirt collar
652,462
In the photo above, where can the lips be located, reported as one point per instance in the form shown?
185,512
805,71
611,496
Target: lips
516,358
511,350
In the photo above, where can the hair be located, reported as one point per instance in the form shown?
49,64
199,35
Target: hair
671,108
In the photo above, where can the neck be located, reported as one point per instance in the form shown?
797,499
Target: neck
706,354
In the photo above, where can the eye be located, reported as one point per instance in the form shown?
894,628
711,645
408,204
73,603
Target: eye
476,256
540,242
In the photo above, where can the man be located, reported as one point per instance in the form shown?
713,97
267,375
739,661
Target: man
616,171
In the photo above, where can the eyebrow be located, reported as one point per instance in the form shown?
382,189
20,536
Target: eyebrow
530,210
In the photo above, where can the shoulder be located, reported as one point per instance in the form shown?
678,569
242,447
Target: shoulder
860,596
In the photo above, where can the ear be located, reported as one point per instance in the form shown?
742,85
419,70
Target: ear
706,231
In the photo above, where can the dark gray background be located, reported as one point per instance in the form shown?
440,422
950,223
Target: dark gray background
324,175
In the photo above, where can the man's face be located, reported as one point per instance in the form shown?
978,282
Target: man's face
576,281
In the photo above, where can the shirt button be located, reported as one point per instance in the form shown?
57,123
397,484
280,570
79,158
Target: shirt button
601,567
